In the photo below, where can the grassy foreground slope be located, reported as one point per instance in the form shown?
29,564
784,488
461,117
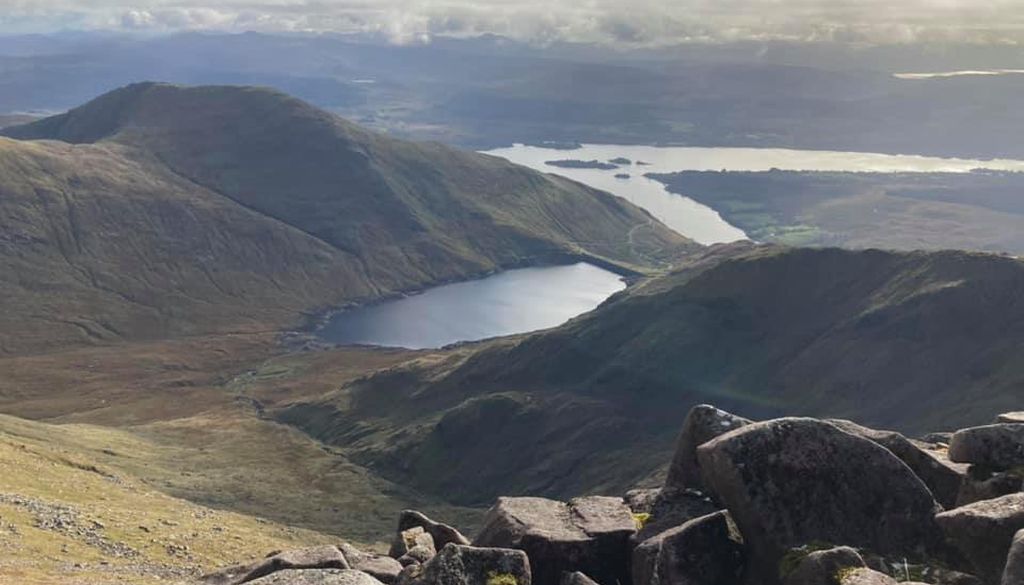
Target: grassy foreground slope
917,341
189,419
158,211
64,519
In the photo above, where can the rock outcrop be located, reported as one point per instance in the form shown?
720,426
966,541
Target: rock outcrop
791,501
999,446
589,534
442,534
319,557
792,481
467,565
703,423
984,531
703,551
413,545
942,476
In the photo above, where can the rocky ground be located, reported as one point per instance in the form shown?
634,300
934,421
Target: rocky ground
790,501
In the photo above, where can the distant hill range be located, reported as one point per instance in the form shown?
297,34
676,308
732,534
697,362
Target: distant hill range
158,210
912,340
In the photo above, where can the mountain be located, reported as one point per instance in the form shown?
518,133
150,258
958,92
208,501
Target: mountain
912,340
159,210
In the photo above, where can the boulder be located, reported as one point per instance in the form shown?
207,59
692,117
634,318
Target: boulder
820,567
588,534
672,508
942,476
412,538
418,554
317,557
983,532
864,576
703,551
981,483
641,501
442,534
469,565
1013,574
703,423
381,567
576,578
1010,417
792,481
998,447
317,577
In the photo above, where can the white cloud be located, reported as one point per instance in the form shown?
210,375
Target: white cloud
635,22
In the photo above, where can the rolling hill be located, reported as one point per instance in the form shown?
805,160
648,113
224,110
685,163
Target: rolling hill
911,340
158,211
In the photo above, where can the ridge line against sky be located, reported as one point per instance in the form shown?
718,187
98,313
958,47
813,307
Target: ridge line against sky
638,22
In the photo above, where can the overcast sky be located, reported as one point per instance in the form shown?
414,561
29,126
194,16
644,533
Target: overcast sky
623,21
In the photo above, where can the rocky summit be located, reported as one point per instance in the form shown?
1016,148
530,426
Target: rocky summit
790,501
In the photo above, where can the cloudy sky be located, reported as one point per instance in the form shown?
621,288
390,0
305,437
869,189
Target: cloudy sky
622,21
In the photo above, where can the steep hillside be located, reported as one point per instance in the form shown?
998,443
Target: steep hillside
595,404
158,210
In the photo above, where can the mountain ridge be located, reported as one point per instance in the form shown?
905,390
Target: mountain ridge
355,215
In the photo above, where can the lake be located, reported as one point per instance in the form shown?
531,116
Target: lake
700,222
529,299
964,73
514,301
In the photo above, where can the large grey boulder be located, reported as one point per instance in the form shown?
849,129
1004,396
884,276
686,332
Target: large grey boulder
792,481
468,565
983,532
942,476
380,567
442,534
587,534
317,577
703,551
999,446
317,557
703,423
1013,574
820,567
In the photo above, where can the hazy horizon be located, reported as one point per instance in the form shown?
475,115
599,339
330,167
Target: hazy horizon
645,22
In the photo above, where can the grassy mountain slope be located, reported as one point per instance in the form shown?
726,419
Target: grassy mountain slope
869,335
185,417
66,519
158,210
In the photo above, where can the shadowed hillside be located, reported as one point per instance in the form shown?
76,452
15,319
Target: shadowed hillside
595,404
159,210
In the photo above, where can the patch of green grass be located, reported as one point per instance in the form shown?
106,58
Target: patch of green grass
496,578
